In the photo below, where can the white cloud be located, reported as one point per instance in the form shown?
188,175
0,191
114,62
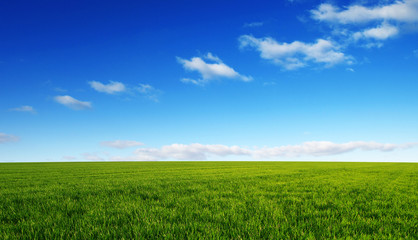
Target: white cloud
69,158
121,144
72,102
4,138
145,90
324,148
370,24
295,54
400,11
26,108
110,88
210,71
212,57
381,32
194,151
197,151
200,82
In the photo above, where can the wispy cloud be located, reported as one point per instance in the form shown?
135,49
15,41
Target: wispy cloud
110,88
214,70
144,90
296,54
149,92
92,157
58,89
197,151
4,138
325,148
254,24
72,103
25,108
121,144
271,83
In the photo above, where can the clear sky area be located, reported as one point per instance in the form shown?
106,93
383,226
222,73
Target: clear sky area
209,80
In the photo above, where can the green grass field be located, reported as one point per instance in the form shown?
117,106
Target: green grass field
208,200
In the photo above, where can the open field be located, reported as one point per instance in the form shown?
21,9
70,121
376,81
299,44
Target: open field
211,200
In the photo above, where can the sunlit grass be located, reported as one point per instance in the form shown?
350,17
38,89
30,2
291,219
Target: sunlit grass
208,200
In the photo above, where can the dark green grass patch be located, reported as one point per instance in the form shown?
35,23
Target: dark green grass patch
208,200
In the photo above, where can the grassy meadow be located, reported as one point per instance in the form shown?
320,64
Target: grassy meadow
208,200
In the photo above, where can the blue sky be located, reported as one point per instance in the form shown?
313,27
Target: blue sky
209,80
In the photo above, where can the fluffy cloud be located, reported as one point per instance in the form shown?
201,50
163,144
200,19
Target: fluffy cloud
401,11
371,25
381,32
210,71
295,54
4,138
121,144
72,102
29,109
110,88
197,151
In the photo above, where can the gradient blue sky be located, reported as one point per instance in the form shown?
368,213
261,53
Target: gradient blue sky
217,80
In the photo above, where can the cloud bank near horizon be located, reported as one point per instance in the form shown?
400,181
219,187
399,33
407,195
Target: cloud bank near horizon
197,151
